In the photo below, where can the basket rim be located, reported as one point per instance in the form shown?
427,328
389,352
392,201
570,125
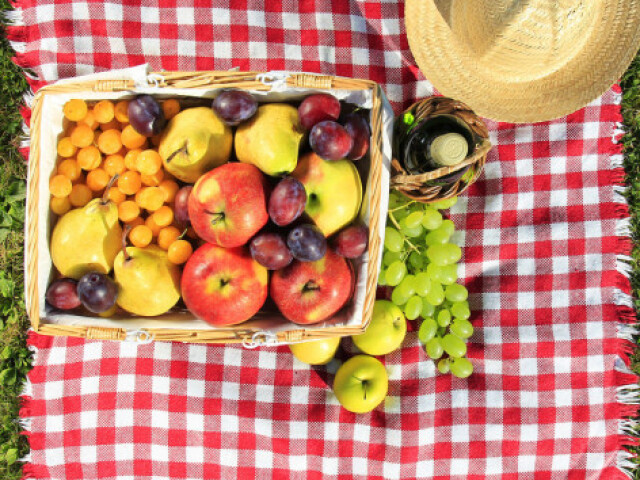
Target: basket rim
209,80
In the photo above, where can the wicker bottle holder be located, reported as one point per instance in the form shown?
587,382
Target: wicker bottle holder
433,185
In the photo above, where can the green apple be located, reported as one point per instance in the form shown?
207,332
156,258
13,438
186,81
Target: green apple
334,191
361,384
316,352
385,332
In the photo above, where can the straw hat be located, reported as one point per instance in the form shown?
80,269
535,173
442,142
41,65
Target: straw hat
519,60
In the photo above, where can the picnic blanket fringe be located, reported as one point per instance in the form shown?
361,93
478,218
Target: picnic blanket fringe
30,470
628,391
16,34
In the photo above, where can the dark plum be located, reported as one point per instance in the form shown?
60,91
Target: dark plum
97,292
358,127
317,108
270,251
307,243
146,115
63,294
234,106
181,204
287,201
330,140
351,242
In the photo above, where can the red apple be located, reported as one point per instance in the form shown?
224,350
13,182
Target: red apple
228,205
310,292
223,286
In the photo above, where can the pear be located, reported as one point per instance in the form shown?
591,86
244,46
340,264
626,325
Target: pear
148,283
270,140
86,239
194,142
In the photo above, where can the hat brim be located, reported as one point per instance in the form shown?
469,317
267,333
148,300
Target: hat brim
578,77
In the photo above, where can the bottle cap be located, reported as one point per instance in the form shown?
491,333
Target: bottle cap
449,149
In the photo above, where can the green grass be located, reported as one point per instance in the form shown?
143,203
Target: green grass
15,358
631,141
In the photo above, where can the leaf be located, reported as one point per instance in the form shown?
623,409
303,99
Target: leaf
8,376
11,456
6,287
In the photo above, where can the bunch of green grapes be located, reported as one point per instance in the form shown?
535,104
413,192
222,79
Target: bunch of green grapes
420,263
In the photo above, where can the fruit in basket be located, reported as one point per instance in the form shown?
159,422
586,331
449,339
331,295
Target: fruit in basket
97,292
228,205
194,142
86,239
385,332
146,115
361,383
317,108
358,128
181,204
270,250
287,201
330,140
310,292
334,191
270,140
316,352
307,243
63,294
351,242
234,106
149,283
223,286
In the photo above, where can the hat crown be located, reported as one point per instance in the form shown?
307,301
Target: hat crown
520,39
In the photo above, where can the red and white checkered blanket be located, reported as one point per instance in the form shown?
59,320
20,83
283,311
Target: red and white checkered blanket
542,232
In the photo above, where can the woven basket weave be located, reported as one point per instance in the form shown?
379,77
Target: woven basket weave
208,81
429,187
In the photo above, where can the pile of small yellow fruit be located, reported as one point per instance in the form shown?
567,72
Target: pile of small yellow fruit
101,153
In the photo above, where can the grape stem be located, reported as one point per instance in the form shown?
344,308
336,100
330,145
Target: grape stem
402,207
395,222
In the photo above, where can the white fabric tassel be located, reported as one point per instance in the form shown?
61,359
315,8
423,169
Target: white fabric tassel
623,227
623,299
623,266
13,17
627,331
625,462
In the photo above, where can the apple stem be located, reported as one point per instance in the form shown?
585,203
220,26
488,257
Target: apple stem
217,217
105,195
310,286
182,149
364,387
126,231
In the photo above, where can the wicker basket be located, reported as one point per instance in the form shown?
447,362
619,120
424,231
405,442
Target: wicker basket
164,84
426,187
